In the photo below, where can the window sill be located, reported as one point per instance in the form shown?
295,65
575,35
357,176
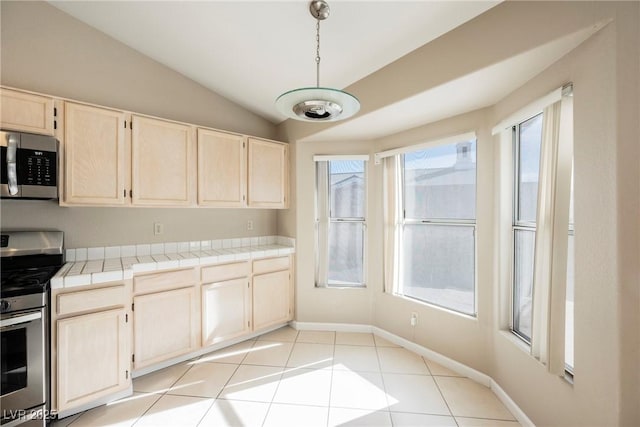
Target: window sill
434,306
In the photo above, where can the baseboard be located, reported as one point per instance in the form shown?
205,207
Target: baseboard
335,327
443,360
511,405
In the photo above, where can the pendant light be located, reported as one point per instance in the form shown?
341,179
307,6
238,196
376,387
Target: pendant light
317,104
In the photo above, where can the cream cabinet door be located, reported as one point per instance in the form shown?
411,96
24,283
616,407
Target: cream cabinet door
93,357
221,169
271,293
268,168
26,112
226,310
95,163
165,325
162,163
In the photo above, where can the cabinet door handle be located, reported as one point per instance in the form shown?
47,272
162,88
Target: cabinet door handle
12,175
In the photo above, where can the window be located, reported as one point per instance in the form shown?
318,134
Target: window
527,144
437,249
340,221
568,327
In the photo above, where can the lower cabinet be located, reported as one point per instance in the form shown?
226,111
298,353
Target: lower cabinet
174,314
165,325
92,336
226,310
272,294
93,357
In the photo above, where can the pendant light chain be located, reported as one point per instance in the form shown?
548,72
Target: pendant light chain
317,52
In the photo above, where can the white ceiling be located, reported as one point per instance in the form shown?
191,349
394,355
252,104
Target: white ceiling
252,51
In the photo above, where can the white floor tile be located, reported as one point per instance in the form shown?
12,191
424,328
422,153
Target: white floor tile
437,369
358,390
304,387
313,356
160,381
356,358
414,393
234,354
355,338
401,361
284,334
466,398
64,422
268,353
254,383
203,380
121,413
281,415
381,342
401,419
233,413
317,337
358,417
176,411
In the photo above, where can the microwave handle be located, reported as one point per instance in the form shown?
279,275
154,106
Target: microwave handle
12,176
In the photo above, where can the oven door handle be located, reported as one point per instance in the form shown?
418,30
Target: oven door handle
12,174
20,318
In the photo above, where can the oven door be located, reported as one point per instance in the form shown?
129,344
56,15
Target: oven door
23,361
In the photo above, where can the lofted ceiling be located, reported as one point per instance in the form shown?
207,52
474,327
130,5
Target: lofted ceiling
252,51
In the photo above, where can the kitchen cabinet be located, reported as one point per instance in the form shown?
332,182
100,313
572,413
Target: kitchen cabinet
221,169
92,353
268,174
226,302
272,292
26,112
163,163
166,316
96,168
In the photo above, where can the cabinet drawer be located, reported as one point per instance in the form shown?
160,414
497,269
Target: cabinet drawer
163,281
92,300
218,273
270,264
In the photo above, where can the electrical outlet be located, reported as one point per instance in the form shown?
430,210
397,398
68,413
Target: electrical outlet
250,225
158,228
413,320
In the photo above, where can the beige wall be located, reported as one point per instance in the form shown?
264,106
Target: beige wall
605,70
46,50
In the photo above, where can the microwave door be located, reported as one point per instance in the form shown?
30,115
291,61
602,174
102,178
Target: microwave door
10,143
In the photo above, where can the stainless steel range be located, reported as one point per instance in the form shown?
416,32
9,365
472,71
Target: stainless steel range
29,260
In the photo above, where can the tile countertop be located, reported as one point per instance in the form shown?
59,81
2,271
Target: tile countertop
89,266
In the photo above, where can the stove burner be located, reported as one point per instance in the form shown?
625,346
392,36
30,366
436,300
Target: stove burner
26,281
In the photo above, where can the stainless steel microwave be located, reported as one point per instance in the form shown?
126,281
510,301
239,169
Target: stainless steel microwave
29,166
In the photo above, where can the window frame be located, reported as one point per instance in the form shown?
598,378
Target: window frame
325,161
517,224
457,222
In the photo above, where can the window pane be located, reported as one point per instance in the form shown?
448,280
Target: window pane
439,264
440,183
347,190
523,282
568,327
346,252
529,168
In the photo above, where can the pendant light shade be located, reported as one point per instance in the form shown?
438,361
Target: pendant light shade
317,104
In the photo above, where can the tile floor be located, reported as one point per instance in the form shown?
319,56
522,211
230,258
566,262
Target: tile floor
305,378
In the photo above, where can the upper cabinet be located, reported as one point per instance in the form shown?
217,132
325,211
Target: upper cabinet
94,149
26,112
268,177
117,158
221,169
163,163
